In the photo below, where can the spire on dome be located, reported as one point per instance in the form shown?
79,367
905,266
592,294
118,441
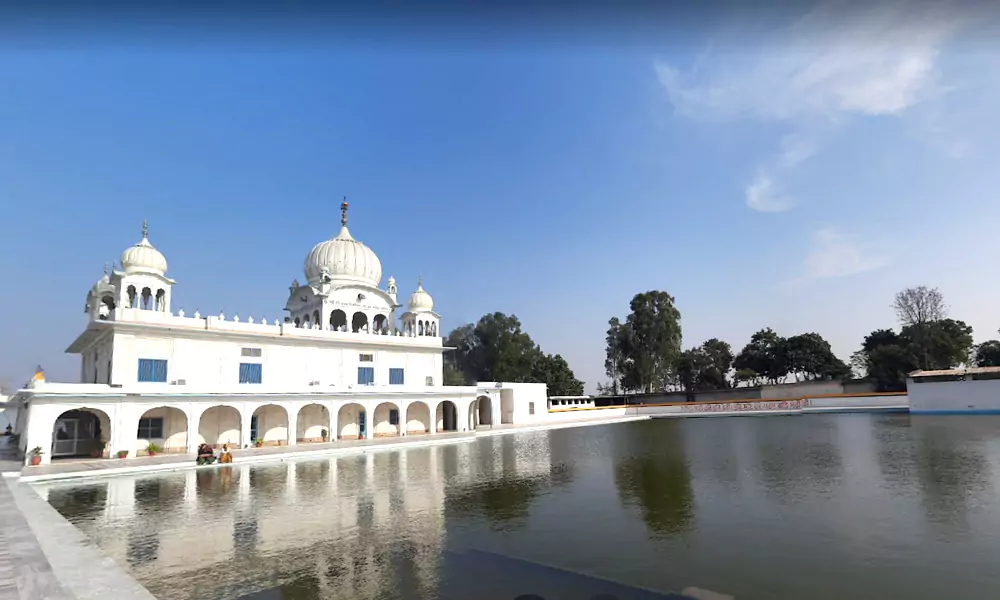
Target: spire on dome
420,282
343,212
145,229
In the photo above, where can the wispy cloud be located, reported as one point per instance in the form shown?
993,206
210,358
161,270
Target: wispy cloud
834,254
832,65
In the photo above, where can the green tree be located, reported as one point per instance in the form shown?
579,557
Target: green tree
765,356
555,371
917,308
614,362
650,342
941,344
496,349
987,354
705,367
809,357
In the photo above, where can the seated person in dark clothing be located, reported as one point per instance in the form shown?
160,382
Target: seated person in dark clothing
205,455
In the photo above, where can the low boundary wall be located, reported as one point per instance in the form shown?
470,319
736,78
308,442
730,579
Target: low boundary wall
871,402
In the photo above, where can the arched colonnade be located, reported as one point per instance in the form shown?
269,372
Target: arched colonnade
104,429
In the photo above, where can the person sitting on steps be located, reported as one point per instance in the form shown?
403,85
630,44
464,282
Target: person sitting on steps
205,455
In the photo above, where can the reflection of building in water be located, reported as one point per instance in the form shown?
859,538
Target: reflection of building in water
354,526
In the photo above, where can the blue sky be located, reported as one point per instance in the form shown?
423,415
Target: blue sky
792,171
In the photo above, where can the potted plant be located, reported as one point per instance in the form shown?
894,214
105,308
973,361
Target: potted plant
259,442
122,454
36,456
325,435
152,449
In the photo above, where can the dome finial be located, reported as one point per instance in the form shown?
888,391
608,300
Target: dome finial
145,229
420,281
343,212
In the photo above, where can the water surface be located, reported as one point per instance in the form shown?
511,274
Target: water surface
772,508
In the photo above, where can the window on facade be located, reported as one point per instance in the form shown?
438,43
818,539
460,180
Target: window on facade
429,381
395,377
531,408
366,357
151,429
366,375
151,369
254,428
250,352
251,373
393,416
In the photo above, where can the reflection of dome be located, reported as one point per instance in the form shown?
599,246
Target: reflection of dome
143,257
343,258
421,300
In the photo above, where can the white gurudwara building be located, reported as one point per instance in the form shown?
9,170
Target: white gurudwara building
348,361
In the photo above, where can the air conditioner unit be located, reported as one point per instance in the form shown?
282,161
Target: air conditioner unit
314,383
179,382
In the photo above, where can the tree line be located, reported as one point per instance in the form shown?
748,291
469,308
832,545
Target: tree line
643,353
496,349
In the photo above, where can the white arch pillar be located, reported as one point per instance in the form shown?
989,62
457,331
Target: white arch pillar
245,418
292,418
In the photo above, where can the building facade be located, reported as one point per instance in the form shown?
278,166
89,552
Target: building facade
347,361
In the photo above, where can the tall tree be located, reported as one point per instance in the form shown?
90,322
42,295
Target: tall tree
765,355
943,344
705,367
809,357
496,349
554,370
614,362
651,342
987,354
916,308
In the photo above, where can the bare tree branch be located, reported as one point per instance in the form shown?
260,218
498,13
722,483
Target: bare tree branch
919,305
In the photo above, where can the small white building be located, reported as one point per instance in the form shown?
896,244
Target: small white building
348,361
955,391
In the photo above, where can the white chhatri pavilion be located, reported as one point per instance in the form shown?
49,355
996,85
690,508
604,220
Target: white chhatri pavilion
343,364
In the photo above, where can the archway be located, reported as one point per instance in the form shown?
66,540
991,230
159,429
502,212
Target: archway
481,412
80,432
380,324
221,425
312,423
359,322
270,424
351,422
446,416
338,320
418,418
386,420
165,426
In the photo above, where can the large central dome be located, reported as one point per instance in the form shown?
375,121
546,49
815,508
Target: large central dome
343,259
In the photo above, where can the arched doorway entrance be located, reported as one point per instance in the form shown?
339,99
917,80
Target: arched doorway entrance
386,420
351,422
164,426
313,422
446,416
221,425
418,418
269,424
81,432
481,412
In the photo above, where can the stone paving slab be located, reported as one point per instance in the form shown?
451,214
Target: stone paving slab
53,559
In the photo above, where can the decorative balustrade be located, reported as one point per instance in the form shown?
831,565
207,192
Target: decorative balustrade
236,324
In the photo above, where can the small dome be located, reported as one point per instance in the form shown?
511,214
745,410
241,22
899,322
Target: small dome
143,257
421,301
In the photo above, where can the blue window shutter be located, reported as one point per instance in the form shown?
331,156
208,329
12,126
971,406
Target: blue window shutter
366,375
396,377
152,370
251,373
